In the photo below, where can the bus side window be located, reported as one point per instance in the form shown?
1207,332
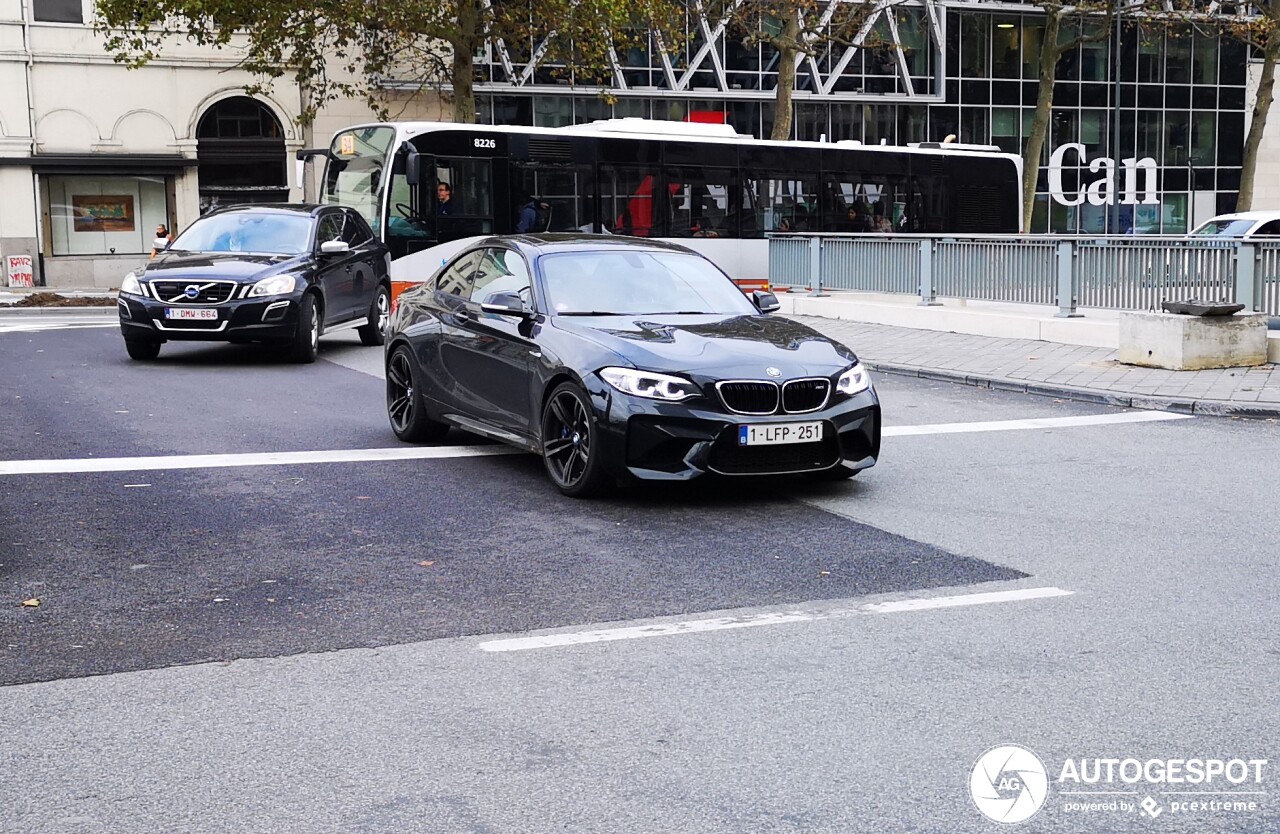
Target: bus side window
629,195
785,202
700,202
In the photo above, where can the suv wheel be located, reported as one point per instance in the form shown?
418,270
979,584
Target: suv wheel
373,333
306,339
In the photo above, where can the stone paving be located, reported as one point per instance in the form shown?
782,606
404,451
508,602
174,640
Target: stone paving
1068,371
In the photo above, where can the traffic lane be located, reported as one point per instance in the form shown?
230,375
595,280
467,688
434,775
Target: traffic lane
219,564
861,724
71,394
1179,509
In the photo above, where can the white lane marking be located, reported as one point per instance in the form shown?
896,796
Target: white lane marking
140,464
13,326
927,603
546,641
54,467
1037,423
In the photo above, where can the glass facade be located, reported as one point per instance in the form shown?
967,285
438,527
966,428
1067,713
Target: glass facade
1174,98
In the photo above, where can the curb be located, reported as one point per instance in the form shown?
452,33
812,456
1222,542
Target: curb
104,309
1208,408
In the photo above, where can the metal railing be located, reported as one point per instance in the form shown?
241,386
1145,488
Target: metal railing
1119,272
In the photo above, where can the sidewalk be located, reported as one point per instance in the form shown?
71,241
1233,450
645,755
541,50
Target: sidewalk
1075,372
1065,358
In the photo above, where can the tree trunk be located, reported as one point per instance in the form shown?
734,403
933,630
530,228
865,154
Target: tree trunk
1249,163
787,50
470,34
1050,52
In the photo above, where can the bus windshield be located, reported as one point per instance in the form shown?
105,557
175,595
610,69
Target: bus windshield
354,176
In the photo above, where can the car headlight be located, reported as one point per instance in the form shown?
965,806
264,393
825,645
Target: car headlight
648,384
854,381
130,285
275,285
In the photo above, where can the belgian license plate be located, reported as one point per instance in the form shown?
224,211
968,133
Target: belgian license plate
198,315
771,434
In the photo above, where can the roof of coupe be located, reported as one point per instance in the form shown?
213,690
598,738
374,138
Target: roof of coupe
556,243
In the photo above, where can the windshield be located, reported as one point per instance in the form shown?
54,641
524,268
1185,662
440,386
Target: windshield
269,234
638,283
1224,228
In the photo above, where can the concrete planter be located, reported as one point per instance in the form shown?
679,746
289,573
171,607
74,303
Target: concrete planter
1188,343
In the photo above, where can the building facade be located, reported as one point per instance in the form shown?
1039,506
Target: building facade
1146,133
1174,104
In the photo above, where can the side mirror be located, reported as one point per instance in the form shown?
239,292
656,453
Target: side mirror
506,304
335,247
766,302
413,166
160,244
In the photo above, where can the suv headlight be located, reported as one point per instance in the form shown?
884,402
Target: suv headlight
130,285
854,381
275,285
648,384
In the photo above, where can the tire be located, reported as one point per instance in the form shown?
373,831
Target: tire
570,451
306,338
143,350
405,409
374,333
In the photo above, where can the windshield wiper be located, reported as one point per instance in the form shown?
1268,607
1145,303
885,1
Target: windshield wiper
594,313
683,313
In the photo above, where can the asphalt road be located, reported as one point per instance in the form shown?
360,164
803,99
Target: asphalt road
308,647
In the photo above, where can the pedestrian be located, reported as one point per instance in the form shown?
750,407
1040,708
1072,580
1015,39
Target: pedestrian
162,233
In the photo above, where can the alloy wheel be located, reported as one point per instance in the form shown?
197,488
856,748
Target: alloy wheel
566,439
400,393
384,311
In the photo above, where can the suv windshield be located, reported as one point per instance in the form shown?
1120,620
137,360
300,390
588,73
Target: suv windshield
259,232
639,283
1224,228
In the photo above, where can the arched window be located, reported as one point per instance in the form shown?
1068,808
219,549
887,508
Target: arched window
241,154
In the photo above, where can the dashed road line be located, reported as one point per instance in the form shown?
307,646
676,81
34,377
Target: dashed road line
159,462
702,626
1118,418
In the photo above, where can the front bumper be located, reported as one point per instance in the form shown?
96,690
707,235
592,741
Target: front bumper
644,439
269,319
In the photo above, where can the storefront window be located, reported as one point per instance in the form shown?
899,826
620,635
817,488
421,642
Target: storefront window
1174,214
1006,62
975,45
93,215
1032,37
1177,142
1203,146
1004,129
552,111
1178,58
1093,126
1204,63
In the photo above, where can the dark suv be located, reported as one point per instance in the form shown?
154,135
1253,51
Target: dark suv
279,274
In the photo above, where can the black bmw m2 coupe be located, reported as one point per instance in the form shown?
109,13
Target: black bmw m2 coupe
621,360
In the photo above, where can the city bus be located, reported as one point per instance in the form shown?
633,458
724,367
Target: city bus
430,188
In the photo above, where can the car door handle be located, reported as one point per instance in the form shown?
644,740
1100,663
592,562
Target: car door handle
462,314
